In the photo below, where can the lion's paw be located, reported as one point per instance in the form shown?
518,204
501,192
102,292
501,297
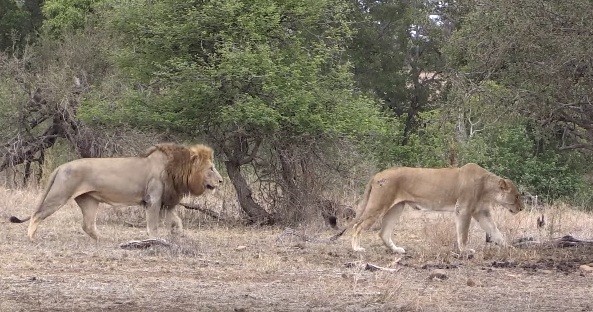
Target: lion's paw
358,249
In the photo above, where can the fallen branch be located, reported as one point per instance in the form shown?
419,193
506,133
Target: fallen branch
562,242
208,212
370,267
144,244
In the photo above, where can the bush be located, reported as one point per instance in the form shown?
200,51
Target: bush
510,152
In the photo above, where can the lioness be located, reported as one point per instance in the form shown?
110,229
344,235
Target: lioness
470,191
158,178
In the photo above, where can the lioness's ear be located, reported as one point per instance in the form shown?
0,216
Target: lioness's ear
502,183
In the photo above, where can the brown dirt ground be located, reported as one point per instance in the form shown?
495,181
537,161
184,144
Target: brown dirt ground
215,267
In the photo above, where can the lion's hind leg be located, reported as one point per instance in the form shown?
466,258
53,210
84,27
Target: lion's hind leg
49,205
89,207
388,223
172,220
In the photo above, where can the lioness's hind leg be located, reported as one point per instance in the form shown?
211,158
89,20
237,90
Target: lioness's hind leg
358,227
388,223
89,207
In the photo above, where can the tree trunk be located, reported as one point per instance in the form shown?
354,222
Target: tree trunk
289,176
417,101
256,213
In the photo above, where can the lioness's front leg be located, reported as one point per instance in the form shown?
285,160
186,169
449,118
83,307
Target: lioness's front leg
462,222
487,224
389,221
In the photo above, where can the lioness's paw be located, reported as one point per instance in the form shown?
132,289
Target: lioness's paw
398,250
358,249
465,254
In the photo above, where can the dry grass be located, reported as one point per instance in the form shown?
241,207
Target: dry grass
226,267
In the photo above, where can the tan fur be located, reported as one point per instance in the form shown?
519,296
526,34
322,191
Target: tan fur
157,179
469,191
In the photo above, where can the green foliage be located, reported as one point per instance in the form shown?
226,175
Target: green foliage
14,25
510,151
538,51
428,147
379,50
262,68
66,15
526,60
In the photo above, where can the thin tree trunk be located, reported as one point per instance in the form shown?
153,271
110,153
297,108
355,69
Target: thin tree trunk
254,211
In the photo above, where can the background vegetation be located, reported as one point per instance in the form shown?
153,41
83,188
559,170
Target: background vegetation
304,100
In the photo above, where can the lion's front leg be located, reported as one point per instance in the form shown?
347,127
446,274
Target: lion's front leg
153,207
152,220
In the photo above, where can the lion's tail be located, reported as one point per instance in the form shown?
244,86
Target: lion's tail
361,207
14,219
52,178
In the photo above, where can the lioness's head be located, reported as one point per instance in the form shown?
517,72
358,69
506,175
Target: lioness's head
204,174
508,196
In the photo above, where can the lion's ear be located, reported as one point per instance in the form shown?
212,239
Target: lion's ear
195,158
502,183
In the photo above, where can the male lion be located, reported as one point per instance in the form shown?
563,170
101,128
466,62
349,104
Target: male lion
470,191
158,178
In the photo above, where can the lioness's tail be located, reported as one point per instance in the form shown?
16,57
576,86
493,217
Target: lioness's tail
361,207
52,177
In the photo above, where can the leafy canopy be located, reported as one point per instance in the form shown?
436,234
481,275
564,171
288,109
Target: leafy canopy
258,68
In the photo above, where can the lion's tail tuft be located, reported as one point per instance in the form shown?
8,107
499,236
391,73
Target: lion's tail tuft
361,208
14,219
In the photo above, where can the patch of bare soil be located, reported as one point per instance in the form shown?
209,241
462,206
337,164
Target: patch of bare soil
236,268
